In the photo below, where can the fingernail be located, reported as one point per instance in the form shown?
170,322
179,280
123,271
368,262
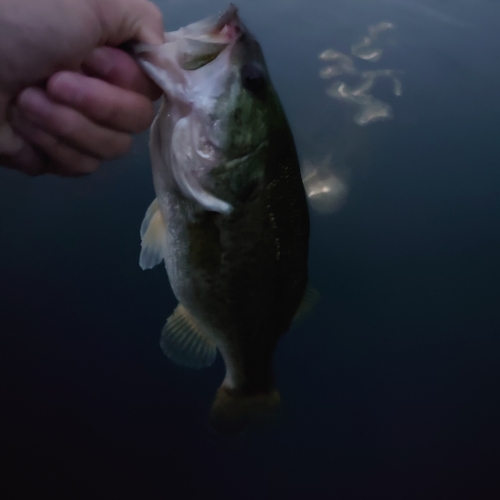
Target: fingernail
66,87
34,102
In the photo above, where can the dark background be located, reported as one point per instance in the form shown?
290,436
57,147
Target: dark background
391,386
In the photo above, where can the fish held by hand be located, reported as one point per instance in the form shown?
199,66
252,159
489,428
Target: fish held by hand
230,218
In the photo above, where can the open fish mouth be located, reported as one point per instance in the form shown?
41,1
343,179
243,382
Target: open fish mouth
228,24
201,42
223,29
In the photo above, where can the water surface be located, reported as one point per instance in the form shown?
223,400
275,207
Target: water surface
391,385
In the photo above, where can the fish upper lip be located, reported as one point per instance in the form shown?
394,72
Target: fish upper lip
227,17
228,26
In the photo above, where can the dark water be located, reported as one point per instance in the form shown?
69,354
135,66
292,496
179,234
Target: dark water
391,387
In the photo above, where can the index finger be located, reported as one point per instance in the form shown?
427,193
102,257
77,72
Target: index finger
118,68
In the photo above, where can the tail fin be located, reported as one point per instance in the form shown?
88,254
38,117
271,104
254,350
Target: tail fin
232,414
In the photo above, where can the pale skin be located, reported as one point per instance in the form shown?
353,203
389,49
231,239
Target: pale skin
68,97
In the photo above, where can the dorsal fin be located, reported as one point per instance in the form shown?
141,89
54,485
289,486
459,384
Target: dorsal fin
154,237
185,343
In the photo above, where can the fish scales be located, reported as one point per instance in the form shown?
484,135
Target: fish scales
230,220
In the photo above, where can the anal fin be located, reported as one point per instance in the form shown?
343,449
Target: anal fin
185,343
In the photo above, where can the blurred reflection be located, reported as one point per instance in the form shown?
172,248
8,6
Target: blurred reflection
368,108
326,189
363,49
342,64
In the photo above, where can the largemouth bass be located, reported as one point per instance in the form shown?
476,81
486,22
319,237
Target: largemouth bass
230,218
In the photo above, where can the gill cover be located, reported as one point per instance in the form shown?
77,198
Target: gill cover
181,67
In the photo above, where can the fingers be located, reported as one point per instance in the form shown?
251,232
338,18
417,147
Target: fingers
58,139
118,68
101,102
71,127
51,154
80,120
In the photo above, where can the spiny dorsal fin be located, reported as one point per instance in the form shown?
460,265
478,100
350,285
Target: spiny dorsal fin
183,341
154,237
309,300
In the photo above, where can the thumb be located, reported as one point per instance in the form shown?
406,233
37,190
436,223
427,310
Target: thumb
125,20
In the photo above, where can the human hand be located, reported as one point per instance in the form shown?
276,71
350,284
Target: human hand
67,98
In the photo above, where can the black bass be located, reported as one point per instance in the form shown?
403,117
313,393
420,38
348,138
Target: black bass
230,217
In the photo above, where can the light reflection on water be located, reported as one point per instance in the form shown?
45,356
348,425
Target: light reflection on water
364,49
325,183
326,188
368,108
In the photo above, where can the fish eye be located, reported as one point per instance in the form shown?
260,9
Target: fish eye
254,80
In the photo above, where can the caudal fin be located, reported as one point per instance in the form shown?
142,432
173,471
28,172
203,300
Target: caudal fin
232,414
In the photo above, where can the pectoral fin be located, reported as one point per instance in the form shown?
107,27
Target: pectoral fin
185,343
154,237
